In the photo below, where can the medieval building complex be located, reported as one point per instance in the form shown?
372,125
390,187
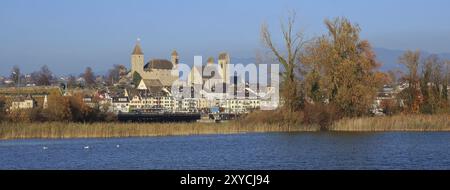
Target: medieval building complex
209,86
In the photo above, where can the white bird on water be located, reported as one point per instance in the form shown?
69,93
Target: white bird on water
86,147
117,146
45,148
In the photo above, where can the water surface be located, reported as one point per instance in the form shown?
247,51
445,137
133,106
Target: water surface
243,151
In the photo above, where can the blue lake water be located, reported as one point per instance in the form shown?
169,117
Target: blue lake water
243,151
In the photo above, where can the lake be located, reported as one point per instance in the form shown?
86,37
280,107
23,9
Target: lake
298,151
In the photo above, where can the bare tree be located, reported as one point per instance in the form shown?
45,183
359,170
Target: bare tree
89,77
115,74
44,76
15,75
293,42
71,82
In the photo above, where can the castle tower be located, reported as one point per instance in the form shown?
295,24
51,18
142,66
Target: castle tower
174,58
137,59
224,60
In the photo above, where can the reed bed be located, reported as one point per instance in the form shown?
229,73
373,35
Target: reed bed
59,130
420,123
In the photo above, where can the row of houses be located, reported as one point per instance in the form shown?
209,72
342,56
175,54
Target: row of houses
150,96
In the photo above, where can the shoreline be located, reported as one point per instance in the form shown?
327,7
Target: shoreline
61,130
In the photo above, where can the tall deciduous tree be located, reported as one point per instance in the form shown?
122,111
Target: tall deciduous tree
58,108
412,95
115,74
89,77
44,76
71,82
342,69
288,58
15,75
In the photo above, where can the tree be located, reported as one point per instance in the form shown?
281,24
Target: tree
71,82
43,77
342,69
446,82
412,95
136,78
15,75
58,108
89,77
433,85
293,43
80,112
115,74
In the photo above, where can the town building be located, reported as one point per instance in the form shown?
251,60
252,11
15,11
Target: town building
120,104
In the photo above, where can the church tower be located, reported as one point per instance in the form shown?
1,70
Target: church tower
137,59
224,60
174,59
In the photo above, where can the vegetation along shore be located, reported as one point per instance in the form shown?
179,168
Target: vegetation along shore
61,130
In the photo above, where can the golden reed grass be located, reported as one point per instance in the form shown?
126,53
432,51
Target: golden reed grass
394,123
59,130
111,130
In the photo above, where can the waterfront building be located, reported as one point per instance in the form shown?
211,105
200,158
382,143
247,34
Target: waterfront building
120,104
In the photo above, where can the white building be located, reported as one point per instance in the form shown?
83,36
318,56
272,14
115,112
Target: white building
120,104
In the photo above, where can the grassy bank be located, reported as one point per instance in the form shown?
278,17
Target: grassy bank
394,123
108,130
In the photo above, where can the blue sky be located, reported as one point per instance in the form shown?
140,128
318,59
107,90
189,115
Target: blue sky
70,35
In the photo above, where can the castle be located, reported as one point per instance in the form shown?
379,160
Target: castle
163,69
155,69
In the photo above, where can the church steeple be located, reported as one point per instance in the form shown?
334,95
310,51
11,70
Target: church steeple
137,58
137,48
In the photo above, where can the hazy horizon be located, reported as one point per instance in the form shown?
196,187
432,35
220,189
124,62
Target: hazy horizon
69,36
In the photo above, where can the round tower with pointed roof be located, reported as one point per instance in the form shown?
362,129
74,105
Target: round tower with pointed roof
137,58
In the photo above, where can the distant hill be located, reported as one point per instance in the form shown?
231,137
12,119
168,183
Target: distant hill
390,57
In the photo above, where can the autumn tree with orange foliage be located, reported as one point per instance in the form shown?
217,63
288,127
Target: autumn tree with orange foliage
412,95
342,69
427,81
82,112
58,108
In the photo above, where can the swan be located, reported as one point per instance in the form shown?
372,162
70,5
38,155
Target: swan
86,147
45,148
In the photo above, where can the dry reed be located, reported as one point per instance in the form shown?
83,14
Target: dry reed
394,123
108,130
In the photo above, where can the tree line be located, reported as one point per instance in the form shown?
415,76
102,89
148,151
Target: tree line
337,75
45,77
59,108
